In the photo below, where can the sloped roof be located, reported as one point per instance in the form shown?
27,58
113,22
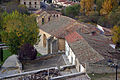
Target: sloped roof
100,44
87,50
59,27
83,51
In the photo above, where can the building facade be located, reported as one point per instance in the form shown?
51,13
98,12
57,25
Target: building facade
32,4
82,43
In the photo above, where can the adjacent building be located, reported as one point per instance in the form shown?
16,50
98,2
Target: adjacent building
82,43
31,4
64,3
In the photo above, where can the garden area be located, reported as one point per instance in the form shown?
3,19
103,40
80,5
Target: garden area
6,54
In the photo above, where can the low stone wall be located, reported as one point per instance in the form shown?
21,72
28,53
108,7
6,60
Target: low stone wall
26,75
44,57
100,68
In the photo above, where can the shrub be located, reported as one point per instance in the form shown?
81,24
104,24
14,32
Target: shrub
27,52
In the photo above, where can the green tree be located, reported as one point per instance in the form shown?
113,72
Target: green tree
102,21
72,11
114,17
93,16
22,9
19,29
99,4
1,19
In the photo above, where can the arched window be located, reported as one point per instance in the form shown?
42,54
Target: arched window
44,40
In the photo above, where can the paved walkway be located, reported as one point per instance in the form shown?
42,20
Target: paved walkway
54,61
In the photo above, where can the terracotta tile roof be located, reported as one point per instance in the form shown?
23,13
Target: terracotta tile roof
60,27
72,37
84,52
68,2
100,44
50,11
85,48
62,0
56,26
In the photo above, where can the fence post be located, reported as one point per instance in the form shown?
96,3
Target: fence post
1,54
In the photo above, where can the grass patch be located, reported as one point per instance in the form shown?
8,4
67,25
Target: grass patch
1,42
6,54
38,54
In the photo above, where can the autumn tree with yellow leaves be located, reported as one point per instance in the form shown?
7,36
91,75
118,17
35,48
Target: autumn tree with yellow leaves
86,6
116,34
107,6
19,29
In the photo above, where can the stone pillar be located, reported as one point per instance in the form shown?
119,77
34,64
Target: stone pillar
54,46
49,40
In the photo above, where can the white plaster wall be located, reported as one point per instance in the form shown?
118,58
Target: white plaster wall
69,53
40,48
82,69
66,48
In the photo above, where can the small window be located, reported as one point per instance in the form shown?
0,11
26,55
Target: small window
35,6
24,3
29,3
35,3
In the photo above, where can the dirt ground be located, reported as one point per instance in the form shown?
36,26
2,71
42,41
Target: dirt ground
105,76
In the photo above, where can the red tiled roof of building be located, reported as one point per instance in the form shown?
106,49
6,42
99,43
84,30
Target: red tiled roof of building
62,0
72,37
65,27
68,2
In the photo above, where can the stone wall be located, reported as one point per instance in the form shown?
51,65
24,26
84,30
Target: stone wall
100,68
